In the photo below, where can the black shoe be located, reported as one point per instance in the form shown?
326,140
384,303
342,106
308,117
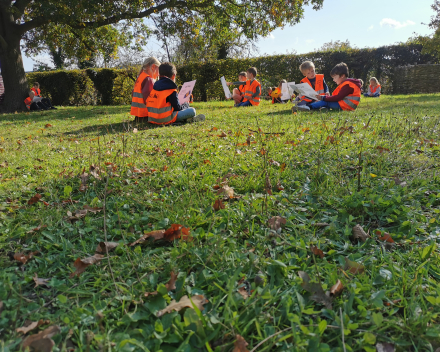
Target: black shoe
53,108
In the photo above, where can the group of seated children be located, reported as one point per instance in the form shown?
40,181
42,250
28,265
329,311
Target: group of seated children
161,106
249,89
35,102
346,96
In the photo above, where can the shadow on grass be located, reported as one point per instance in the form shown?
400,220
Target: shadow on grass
80,112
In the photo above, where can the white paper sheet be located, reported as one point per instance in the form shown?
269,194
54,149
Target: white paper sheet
305,89
286,91
225,88
36,99
185,92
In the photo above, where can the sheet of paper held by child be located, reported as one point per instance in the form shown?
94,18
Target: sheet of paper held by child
185,92
304,89
225,88
286,90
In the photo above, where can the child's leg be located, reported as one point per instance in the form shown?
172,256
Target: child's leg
185,114
325,104
34,106
367,95
376,95
245,103
236,96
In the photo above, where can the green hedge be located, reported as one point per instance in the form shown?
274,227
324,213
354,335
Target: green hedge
114,86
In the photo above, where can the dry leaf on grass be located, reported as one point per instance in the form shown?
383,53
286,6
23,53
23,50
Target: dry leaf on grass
222,135
240,344
226,191
185,302
156,235
80,213
34,199
218,205
337,288
93,210
82,264
38,228
31,326
103,247
41,342
317,251
318,294
176,231
276,222
170,285
40,282
23,258
384,236
359,233
353,267
399,182
243,292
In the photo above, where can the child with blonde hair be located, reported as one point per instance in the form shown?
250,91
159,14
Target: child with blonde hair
314,80
374,89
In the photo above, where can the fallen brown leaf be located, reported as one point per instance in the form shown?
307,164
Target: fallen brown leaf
206,162
31,326
218,205
318,294
222,135
243,292
384,236
82,264
23,258
199,301
40,282
93,210
103,247
359,233
317,251
337,288
240,344
226,191
176,231
399,182
276,222
34,199
170,285
353,267
41,342
156,235
38,228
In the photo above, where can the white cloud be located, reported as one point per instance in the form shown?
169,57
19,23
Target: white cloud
389,22
370,28
310,41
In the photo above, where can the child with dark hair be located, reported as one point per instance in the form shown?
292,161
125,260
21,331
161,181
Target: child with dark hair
36,89
163,104
345,97
238,93
252,89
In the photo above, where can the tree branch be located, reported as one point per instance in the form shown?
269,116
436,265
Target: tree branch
20,5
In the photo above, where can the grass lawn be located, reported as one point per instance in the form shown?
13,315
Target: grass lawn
260,207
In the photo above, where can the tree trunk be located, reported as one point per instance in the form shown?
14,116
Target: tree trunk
14,78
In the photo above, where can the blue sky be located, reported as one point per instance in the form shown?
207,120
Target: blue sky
370,23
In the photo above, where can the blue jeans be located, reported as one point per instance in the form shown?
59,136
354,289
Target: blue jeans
375,95
185,114
246,103
325,104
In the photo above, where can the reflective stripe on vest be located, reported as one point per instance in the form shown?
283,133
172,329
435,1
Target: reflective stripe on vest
350,102
319,86
138,107
159,110
251,89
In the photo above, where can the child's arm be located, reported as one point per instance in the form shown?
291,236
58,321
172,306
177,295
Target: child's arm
378,89
327,93
257,92
174,101
345,91
235,83
369,91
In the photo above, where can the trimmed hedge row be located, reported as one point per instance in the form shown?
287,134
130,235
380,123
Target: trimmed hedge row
114,86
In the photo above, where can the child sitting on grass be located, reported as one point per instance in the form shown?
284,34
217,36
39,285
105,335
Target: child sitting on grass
238,93
345,97
374,89
163,105
316,81
276,93
252,89
34,103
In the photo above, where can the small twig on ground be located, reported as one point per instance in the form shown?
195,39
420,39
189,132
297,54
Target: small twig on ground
342,329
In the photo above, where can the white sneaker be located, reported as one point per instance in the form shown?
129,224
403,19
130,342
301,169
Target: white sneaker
300,108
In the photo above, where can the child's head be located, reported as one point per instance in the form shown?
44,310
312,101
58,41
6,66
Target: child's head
150,66
36,85
251,73
307,68
242,76
269,90
339,73
31,94
374,81
281,83
167,69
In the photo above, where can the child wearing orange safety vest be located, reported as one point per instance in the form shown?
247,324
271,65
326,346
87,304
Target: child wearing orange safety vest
374,88
314,80
252,89
346,96
163,104
36,89
276,93
238,93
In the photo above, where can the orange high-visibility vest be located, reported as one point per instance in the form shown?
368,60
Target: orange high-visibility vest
373,89
138,107
275,94
191,98
241,89
319,86
249,90
350,102
37,91
159,110
28,102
